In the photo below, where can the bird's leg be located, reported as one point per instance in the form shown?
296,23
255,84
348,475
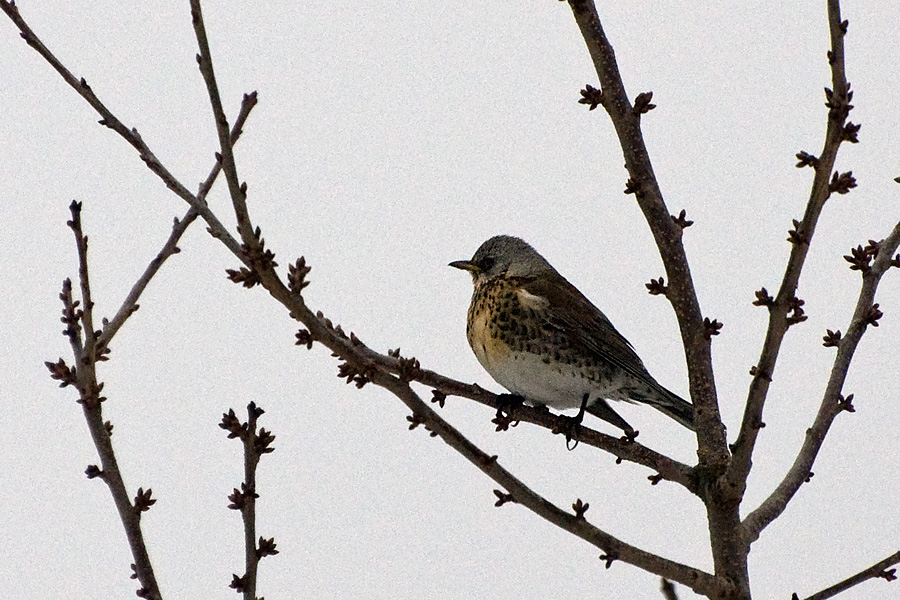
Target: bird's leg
570,424
506,403
580,416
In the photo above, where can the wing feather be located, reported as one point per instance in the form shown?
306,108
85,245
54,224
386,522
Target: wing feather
584,324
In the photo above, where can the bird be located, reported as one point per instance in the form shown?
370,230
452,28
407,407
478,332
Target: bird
547,344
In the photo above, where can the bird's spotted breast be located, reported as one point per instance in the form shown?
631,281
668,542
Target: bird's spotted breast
483,326
512,337
504,324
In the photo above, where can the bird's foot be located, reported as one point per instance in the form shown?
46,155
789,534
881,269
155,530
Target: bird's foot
569,425
507,403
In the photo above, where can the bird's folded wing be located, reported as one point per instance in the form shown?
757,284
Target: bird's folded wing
584,324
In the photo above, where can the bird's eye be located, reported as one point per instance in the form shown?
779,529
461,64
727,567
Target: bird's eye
486,263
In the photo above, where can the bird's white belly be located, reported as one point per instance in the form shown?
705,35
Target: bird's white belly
556,385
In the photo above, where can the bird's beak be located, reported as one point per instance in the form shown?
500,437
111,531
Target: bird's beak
466,265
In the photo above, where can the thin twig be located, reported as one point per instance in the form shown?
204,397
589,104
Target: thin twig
91,403
801,238
255,444
87,304
129,306
712,451
878,570
251,460
236,190
130,135
832,404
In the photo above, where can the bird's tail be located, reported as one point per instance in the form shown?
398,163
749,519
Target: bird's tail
669,404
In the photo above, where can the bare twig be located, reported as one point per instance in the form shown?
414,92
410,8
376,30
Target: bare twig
237,191
832,402
129,306
878,570
84,377
712,450
130,135
255,445
801,236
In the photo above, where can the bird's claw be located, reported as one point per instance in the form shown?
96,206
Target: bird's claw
571,424
507,403
570,427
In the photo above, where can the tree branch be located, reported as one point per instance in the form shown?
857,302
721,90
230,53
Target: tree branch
878,570
712,450
84,378
800,238
722,502
520,493
833,403
129,306
255,444
131,136
237,191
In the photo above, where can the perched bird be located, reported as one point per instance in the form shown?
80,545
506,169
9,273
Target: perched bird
542,340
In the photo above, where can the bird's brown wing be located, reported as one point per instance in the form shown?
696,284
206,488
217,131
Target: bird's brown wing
584,324
568,311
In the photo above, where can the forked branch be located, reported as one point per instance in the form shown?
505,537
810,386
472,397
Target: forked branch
83,377
178,228
108,119
833,402
782,306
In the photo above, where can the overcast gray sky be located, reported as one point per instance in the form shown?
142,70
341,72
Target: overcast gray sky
391,138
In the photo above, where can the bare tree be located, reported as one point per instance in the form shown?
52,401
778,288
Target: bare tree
718,480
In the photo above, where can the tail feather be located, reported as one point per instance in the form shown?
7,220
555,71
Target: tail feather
600,408
669,404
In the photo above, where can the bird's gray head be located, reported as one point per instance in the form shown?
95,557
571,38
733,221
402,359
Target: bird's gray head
503,255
